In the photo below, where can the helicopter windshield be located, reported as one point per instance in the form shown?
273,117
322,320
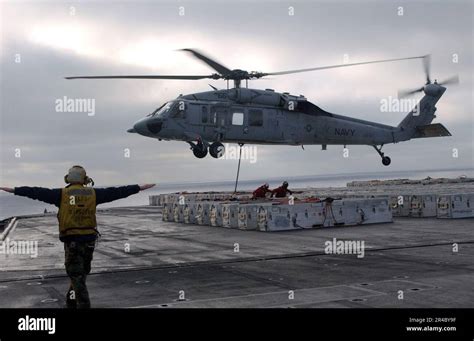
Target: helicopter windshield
163,111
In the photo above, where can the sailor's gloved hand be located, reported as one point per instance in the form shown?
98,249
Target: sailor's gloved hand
146,186
7,189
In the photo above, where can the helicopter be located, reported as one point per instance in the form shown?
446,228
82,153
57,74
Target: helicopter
244,115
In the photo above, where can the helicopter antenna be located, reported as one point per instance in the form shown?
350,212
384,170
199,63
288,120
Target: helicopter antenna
236,75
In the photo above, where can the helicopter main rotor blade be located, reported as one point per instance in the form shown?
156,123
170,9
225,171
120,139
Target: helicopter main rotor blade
212,63
406,93
427,67
183,77
262,74
450,80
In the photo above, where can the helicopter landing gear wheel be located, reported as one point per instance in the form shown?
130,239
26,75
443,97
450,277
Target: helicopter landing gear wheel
385,159
200,153
199,149
216,150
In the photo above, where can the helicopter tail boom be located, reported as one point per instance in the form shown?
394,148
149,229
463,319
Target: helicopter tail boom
416,123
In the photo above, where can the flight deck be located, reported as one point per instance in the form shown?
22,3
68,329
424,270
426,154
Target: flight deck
141,261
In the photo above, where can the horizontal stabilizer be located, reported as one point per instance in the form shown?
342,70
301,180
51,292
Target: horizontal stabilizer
431,130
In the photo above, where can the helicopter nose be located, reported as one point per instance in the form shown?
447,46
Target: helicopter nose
154,125
140,127
147,127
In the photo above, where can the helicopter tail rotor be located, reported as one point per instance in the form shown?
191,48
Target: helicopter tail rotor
427,68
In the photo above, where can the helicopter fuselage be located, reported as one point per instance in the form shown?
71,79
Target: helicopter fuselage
206,120
242,115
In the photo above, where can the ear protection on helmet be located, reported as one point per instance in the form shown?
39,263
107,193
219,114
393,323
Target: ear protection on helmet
89,181
77,174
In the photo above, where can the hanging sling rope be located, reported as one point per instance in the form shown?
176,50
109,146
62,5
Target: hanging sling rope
238,167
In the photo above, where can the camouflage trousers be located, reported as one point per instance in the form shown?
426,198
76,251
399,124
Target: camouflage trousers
78,258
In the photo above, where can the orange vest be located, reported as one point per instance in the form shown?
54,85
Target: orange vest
77,211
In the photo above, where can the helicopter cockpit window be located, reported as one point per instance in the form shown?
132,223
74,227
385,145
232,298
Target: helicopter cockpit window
178,110
163,110
237,119
154,112
255,118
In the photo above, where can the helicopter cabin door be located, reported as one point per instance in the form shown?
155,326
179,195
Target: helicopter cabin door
251,124
219,121
255,127
237,128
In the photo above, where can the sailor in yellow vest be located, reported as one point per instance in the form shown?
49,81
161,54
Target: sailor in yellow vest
77,223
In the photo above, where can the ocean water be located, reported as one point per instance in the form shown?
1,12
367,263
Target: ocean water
11,205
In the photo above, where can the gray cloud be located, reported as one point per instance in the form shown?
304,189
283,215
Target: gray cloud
127,38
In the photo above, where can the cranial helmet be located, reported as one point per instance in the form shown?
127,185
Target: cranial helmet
285,183
77,175
266,185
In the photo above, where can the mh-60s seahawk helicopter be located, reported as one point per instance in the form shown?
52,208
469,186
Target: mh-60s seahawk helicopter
241,115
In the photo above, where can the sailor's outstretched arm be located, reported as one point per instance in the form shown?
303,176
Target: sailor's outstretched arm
47,195
109,194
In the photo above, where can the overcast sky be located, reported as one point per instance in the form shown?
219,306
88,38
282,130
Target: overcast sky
55,40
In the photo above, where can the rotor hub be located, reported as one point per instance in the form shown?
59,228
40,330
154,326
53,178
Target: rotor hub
432,89
237,74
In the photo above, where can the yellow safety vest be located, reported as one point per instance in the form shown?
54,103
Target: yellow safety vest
77,211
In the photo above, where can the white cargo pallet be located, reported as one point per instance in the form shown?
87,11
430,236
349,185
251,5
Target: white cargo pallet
215,215
456,206
178,212
308,215
166,212
375,211
400,205
183,198
230,215
248,215
201,212
424,205
312,215
275,218
189,216
154,200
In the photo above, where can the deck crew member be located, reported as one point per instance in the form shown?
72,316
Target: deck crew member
281,191
77,223
262,191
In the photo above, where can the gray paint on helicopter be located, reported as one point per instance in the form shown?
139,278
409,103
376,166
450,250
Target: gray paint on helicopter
240,115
